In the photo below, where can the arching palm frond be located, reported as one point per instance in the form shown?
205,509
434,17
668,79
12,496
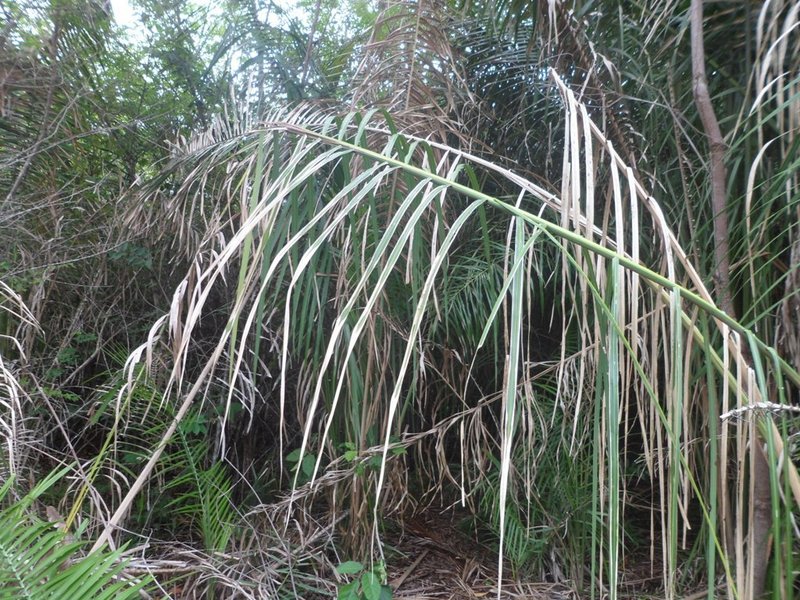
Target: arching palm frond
319,207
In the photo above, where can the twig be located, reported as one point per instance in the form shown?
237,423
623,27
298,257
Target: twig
396,584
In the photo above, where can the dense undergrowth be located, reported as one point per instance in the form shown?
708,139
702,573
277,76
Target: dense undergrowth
276,281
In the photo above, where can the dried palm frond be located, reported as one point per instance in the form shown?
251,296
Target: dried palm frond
278,252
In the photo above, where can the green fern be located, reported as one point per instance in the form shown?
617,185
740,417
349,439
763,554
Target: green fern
203,494
207,501
193,491
39,561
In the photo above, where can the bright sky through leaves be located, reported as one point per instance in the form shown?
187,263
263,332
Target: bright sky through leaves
123,13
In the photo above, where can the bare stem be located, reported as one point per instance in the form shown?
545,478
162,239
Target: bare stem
722,276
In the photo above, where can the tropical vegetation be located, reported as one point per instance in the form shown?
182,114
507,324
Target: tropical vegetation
276,280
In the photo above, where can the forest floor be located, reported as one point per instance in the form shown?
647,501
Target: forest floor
432,559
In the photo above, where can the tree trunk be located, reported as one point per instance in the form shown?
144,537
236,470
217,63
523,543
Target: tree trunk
762,516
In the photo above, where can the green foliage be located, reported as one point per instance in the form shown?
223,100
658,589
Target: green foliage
21,283
37,560
547,515
368,583
372,463
201,494
301,468
489,238
204,495
198,492
135,257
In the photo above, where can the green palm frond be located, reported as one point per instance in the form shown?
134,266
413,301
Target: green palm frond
494,244
39,561
201,494
605,275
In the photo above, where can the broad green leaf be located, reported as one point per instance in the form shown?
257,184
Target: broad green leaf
349,591
350,567
386,593
308,465
371,586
